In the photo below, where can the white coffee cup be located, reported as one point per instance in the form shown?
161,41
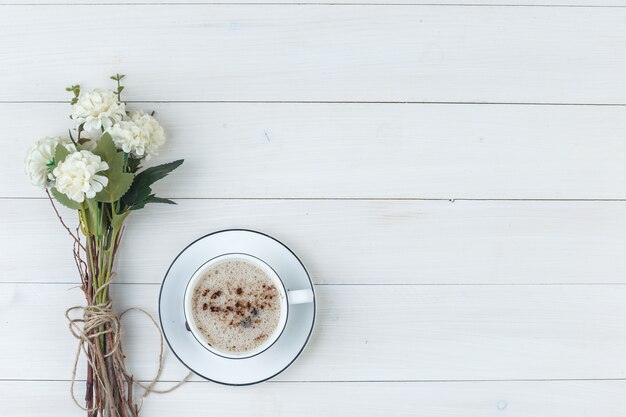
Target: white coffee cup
287,297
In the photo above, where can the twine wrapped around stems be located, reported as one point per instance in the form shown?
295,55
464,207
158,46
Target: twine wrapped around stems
98,320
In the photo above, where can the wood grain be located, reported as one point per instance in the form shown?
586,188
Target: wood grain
318,53
363,151
457,270
442,399
354,242
390,3
368,333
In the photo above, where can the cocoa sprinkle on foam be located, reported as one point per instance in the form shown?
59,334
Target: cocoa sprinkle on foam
237,305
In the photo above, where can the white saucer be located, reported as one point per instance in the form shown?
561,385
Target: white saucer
208,365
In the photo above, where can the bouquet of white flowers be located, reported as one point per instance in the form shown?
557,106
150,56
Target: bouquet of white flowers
97,171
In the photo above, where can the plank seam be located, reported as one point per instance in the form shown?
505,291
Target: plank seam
538,5
450,200
363,381
77,284
460,103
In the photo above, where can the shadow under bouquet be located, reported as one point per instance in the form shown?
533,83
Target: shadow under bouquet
97,170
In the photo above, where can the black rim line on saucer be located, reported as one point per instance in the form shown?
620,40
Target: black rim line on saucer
306,342
286,302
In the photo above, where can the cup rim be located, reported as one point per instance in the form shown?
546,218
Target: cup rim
192,328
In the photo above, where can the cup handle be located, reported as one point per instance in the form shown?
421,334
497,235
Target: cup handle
300,296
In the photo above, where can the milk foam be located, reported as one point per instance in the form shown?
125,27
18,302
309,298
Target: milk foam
236,306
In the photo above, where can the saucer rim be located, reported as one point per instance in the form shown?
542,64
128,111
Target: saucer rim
306,341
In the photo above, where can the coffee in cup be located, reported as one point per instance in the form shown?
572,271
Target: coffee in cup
236,305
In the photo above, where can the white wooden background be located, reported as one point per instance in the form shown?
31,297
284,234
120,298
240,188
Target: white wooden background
452,173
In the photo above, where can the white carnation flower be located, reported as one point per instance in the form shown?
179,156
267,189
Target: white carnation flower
40,159
151,129
77,176
98,110
140,135
127,136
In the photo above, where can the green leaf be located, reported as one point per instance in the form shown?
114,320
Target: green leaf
140,190
151,175
118,220
154,199
139,197
60,152
74,88
119,183
133,164
92,217
106,149
65,200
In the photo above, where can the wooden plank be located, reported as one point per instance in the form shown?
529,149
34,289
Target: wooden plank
352,242
367,333
445,3
364,151
469,399
318,53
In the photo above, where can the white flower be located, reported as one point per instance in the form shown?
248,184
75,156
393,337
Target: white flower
98,110
151,129
77,176
127,136
140,135
41,157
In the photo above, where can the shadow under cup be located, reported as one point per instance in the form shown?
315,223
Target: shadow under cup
286,298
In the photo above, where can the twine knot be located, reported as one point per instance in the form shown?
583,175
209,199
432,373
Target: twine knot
99,320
